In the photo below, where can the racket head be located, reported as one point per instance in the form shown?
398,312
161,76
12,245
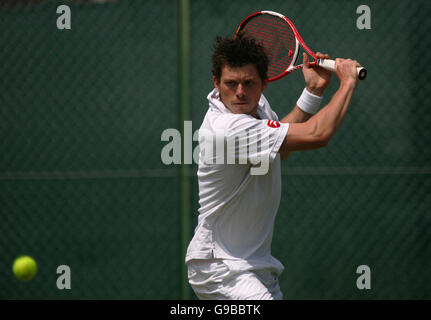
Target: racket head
279,38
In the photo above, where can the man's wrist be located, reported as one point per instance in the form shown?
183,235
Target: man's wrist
315,91
309,102
349,83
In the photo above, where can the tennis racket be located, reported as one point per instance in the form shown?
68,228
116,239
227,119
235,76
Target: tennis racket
282,43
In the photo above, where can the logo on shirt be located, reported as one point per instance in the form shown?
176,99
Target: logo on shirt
273,124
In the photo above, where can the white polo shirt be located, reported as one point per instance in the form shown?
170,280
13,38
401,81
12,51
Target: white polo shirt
240,188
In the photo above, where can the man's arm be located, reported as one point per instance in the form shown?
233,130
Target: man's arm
295,116
316,81
318,130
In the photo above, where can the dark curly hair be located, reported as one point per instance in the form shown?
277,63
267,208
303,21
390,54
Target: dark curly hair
237,52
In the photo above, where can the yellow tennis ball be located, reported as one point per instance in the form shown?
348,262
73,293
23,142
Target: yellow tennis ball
24,268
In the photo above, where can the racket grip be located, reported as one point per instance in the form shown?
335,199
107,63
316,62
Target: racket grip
329,64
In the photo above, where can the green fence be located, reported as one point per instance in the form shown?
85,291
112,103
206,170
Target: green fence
81,178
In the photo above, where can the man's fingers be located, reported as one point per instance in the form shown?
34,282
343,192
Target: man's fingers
354,62
320,55
346,68
305,60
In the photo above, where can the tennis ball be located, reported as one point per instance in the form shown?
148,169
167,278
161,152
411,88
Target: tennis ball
24,268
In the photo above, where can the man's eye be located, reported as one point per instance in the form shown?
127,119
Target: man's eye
230,83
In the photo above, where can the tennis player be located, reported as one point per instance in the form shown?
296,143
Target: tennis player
229,256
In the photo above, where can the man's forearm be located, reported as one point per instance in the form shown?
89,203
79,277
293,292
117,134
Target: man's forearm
329,118
296,116
299,115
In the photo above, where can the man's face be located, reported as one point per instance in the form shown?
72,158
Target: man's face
240,88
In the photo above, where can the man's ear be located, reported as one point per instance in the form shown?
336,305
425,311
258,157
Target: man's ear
216,83
265,84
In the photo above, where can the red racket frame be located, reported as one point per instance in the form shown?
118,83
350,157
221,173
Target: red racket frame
290,68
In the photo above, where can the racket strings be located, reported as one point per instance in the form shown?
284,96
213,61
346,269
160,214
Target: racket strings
278,39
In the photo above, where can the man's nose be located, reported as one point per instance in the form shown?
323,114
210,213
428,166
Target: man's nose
240,90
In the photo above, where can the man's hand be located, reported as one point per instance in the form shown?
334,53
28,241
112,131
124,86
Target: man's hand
316,78
346,70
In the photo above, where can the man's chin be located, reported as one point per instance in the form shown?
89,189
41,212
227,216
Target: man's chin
242,107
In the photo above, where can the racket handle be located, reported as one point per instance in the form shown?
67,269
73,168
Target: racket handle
329,64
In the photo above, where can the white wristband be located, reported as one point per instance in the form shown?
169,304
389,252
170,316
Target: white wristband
309,102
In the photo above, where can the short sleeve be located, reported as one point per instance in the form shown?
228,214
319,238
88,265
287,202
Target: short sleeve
251,140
